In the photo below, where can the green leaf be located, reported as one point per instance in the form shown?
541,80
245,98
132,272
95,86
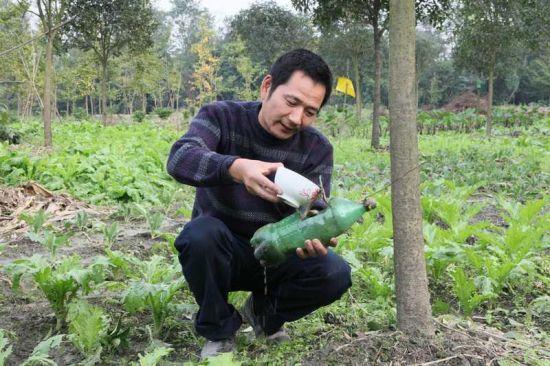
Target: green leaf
43,348
153,357
5,350
88,325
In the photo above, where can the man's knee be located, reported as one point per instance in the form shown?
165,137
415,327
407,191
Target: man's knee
201,236
337,278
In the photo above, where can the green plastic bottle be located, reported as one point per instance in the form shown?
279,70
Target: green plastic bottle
275,242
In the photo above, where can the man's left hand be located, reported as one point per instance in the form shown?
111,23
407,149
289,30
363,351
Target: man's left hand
314,248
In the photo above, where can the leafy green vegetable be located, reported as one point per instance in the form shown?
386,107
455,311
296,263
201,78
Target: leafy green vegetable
88,326
466,292
41,353
152,358
59,281
155,290
35,221
5,349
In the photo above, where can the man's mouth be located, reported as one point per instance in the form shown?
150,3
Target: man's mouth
287,129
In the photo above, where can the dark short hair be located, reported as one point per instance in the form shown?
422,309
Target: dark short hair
303,60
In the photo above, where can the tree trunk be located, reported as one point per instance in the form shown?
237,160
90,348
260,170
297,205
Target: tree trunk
489,126
91,104
411,283
144,103
86,104
54,104
375,142
358,98
131,103
104,91
47,110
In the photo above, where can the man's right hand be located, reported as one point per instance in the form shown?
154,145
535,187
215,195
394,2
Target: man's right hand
253,174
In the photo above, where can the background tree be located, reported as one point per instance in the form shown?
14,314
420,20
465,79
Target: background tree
488,33
411,282
269,30
67,81
51,14
19,69
185,15
146,76
205,79
107,27
240,72
429,48
344,41
538,76
375,14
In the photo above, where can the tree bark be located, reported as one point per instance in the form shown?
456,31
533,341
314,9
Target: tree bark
47,110
375,141
411,283
358,97
489,126
104,91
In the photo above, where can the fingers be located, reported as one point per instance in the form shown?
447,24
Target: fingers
264,188
270,168
253,174
312,248
265,192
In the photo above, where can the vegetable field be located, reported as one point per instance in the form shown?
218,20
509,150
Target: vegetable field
89,275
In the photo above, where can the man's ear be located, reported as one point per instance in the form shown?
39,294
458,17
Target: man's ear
265,87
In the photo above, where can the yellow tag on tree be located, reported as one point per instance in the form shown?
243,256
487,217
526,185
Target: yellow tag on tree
345,86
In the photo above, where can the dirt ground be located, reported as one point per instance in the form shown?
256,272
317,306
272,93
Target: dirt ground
467,100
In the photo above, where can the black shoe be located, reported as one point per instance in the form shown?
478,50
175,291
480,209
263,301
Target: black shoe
247,312
214,348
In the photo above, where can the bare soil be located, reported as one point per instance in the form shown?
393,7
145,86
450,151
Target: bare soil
467,100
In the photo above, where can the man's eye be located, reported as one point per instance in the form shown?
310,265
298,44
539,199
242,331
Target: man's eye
291,102
310,114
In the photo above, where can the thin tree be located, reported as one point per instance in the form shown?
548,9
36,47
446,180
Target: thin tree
487,37
491,34
107,27
205,80
375,14
51,13
411,282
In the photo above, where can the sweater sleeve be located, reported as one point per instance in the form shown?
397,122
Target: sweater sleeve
319,169
194,159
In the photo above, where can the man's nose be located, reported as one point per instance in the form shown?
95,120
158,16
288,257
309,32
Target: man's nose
295,116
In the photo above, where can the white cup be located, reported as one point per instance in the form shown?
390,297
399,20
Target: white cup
297,189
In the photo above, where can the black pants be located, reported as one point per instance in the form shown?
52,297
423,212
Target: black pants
215,261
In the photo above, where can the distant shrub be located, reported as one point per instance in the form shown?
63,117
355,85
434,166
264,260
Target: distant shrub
7,133
163,113
80,114
138,116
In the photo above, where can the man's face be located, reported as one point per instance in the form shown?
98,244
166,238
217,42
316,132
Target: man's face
292,106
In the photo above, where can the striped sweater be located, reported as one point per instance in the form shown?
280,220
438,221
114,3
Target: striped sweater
224,131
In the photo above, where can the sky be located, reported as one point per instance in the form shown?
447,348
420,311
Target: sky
223,8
